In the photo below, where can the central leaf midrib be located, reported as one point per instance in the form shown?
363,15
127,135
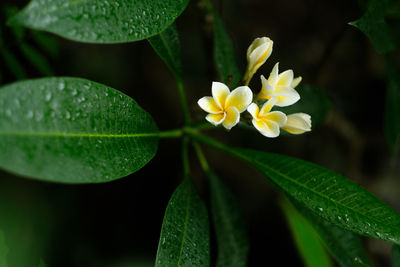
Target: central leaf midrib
79,135
186,222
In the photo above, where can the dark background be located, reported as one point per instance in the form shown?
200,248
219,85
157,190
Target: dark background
118,223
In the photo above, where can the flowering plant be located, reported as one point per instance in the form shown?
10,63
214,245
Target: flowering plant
63,130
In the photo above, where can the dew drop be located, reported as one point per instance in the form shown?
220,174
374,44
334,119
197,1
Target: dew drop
48,96
30,114
61,86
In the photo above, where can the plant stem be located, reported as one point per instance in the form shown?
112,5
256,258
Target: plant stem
171,134
202,158
185,156
182,97
209,141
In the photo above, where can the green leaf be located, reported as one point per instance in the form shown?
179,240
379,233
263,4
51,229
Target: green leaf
374,26
73,130
344,246
313,101
306,239
98,21
392,106
224,53
39,61
325,193
184,239
168,47
229,225
396,255
3,250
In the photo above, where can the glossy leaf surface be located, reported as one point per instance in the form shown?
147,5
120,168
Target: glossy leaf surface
73,130
184,239
224,53
306,239
97,21
229,225
392,106
344,246
374,26
325,193
168,47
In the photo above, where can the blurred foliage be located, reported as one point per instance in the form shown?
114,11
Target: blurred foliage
396,256
373,24
21,49
392,105
307,240
3,250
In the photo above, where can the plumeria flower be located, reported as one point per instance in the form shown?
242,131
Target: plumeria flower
280,86
225,106
265,121
298,123
257,53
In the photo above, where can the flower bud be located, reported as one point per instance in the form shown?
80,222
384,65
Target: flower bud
257,53
298,123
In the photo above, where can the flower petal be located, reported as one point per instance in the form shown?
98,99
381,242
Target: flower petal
296,82
277,117
253,109
286,96
266,86
232,118
266,128
219,92
268,106
298,123
216,119
256,43
259,55
239,98
208,104
285,78
274,75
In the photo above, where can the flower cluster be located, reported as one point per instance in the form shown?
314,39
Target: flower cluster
224,107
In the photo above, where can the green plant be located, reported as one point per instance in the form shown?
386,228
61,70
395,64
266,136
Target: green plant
72,130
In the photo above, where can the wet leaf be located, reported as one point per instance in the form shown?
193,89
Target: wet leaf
344,246
325,193
97,21
73,130
184,239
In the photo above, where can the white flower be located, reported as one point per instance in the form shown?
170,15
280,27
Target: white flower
280,86
298,123
257,53
225,106
266,122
